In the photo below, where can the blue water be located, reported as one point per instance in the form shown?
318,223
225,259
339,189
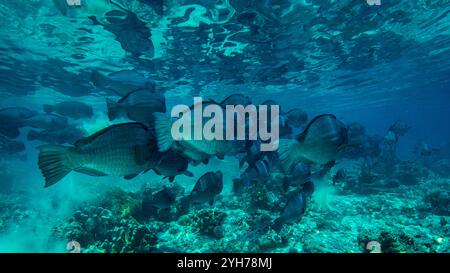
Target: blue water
374,65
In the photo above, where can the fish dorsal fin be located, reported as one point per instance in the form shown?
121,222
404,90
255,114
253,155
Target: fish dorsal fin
87,140
230,96
124,98
301,137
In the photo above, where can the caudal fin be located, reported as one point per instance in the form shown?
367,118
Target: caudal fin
163,125
51,162
113,109
289,154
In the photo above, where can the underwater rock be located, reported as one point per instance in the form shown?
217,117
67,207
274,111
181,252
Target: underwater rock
99,230
205,221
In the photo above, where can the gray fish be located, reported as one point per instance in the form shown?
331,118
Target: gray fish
195,150
132,33
295,207
260,172
138,105
50,122
355,130
172,164
72,109
400,128
296,117
270,103
12,118
299,175
122,82
206,188
339,176
424,149
66,136
164,198
321,142
10,147
123,150
253,174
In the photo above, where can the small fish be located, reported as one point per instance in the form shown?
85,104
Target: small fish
296,117
10,147
122,82
400,128
260,172
16,113
321,142
424,149
295,207
72,109
123,150
236,99
137,105
49,122
355,130
339,176
172,164
205,190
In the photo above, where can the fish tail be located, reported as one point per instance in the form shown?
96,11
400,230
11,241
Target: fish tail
113,109
163,125
52,163
289,152
47,108
277,224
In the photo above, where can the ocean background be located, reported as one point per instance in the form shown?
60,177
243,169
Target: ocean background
373,65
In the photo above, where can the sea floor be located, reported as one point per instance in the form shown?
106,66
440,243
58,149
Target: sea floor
408,218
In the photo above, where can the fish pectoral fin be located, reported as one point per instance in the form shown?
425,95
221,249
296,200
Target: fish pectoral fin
130,176
188,174
89,171
163,125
